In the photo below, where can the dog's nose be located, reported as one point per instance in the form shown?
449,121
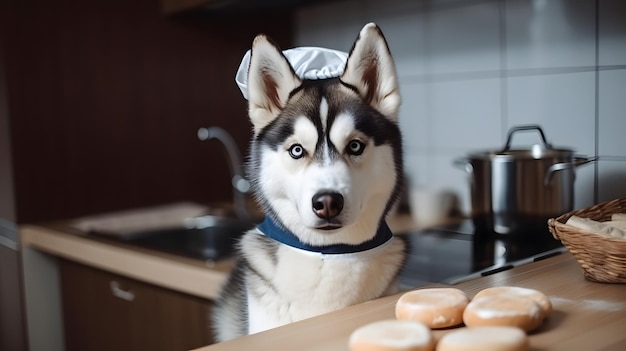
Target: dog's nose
327,205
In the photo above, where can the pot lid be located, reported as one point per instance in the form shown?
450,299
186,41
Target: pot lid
535,152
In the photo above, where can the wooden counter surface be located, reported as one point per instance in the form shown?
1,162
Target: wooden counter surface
587,315
191,276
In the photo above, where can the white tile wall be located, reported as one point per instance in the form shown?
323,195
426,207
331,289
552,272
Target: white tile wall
465,115
550,33
584,186
471,69
415,121
464,38
611,175
612,26
611,100
612,113
563,104
409,45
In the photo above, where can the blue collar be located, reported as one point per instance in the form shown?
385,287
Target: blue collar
276,231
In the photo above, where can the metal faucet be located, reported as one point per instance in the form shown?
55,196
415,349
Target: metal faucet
240,184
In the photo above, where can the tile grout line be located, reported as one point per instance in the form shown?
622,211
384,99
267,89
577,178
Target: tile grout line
504,92
596,170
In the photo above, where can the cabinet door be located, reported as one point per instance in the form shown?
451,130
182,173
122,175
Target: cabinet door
104,311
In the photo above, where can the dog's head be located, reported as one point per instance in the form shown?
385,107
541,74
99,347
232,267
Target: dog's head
326,155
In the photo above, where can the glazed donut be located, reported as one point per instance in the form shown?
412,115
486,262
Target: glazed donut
392,335
435,307
503,310
540,298
484,339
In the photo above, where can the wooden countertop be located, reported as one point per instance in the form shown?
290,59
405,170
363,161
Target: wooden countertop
169,271
195,277
587,315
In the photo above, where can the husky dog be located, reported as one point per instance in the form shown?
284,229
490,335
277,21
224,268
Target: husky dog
326,167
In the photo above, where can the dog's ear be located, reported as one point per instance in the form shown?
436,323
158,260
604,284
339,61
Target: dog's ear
270,80
370,69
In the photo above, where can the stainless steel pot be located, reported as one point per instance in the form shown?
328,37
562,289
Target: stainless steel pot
516,190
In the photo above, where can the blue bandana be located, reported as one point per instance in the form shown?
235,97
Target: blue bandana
276,231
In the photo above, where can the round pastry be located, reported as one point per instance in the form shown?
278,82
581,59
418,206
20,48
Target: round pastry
503,310
484,339
435,307
392,335
540,298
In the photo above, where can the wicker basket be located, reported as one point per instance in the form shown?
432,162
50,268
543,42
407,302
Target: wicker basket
602,258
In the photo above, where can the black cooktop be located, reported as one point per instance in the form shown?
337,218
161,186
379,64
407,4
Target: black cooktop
454,253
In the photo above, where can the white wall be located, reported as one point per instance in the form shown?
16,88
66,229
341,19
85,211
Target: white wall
470,69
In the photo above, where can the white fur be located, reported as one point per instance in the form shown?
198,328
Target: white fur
311,284
365,182
324,113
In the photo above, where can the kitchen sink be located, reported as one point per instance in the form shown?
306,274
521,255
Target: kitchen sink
206,237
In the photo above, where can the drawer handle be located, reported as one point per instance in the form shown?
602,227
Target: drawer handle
118,292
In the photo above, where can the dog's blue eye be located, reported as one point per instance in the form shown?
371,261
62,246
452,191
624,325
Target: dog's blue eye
296,151
356,148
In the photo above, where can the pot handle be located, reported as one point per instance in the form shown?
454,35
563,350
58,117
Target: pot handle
464,164
522,128
578,161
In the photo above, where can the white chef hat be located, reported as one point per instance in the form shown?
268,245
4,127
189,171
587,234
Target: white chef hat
307,62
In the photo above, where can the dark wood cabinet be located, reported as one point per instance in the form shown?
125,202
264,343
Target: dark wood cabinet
171,7
103,100
105,311
100,102
12,324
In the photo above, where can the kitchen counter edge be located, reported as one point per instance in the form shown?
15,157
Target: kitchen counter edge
168,271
